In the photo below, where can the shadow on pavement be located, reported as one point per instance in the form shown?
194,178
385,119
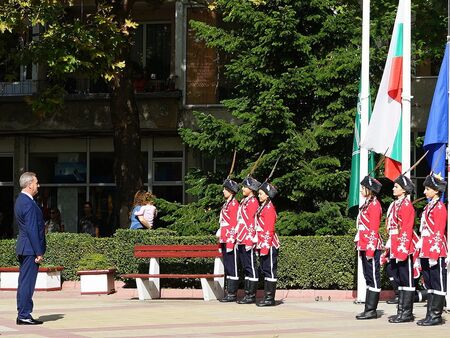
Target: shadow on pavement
52,318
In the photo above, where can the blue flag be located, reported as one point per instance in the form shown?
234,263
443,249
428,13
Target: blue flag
436,135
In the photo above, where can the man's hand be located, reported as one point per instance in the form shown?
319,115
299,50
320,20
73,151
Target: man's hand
38,259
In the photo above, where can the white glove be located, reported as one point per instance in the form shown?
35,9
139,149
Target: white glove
419,244
229,250
388,244
432,262
369,258
447,260
248,248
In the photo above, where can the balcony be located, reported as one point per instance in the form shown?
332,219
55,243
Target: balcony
19,88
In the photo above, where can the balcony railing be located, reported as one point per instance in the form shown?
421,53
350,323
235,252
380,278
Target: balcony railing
19,88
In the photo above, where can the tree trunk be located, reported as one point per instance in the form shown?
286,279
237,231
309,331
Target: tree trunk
127,146
126,128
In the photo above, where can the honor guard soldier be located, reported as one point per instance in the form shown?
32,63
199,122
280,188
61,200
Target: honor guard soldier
433,249
268,243
368,244
400,223
227,238
246,232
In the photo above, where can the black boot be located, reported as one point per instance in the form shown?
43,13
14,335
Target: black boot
269,294
394,300
250,292
399,306
232,288
406,312
430,297
437,305
370,306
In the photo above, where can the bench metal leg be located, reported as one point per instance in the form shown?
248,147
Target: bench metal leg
219,270
212,289
154,287
147,289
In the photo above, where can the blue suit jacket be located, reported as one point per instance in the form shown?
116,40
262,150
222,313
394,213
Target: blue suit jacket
31,239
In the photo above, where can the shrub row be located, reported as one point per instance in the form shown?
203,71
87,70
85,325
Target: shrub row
319,262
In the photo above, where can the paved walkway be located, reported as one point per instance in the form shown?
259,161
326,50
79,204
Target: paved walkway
68,314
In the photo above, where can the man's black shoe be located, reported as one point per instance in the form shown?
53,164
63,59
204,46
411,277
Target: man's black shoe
28,321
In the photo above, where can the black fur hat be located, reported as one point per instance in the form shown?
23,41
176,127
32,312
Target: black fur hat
372,184
251,183
269,189
435,182
405,183
231,185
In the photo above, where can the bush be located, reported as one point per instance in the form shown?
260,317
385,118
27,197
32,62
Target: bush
94,261
318,262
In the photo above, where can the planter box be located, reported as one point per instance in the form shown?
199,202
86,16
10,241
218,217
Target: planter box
48,279
97,282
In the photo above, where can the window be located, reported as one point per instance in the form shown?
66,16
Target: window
102,168
15,78
152,56
6,196
64,167
74,170
168,169
6,169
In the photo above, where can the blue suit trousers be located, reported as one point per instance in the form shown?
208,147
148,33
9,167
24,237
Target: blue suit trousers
27,280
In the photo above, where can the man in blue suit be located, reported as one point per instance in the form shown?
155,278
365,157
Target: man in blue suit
30,246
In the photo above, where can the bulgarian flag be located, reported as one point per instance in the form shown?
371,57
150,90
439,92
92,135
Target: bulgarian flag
384,133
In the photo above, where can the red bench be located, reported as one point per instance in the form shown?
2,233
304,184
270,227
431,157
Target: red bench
148,284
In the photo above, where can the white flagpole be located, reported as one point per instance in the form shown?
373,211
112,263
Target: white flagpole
406,95
448,151
364,99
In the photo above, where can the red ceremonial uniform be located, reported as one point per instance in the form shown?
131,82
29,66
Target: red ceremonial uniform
432,230
401,228
368,223
245,221
265,228
227,222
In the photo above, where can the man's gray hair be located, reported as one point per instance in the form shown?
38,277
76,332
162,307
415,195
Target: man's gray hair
26,178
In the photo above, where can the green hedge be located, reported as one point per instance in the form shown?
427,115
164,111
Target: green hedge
318,262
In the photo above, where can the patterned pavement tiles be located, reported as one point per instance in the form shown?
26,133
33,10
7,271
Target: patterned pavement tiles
68,314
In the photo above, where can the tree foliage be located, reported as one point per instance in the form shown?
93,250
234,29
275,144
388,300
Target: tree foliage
295,67
97,45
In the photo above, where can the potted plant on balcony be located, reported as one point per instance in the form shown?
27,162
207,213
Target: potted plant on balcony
48,278
96,275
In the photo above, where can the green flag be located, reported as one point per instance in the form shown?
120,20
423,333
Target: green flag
353,195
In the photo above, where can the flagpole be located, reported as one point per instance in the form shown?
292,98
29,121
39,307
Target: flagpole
406,94
365,97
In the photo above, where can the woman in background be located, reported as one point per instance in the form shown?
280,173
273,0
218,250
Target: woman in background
138,202
54,224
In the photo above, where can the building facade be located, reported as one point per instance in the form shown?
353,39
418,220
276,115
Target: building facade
72,153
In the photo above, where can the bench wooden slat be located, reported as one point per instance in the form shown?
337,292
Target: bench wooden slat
203,247
176,254
146,275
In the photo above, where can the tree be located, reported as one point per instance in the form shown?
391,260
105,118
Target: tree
97,44
295,66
